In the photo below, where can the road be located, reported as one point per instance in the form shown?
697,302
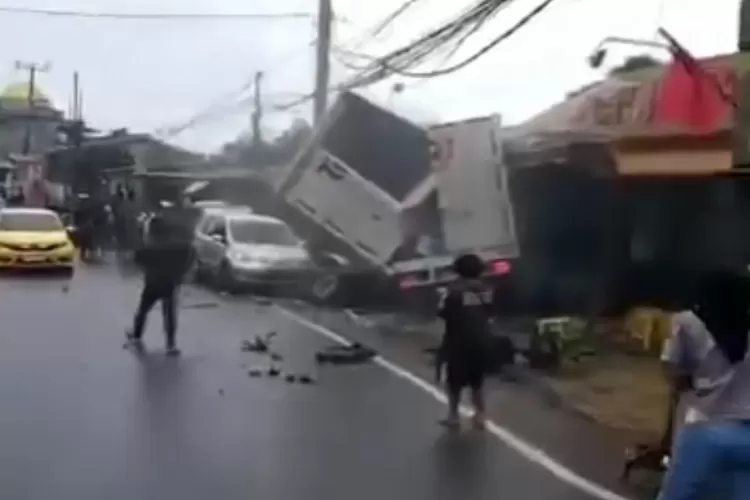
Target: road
82,418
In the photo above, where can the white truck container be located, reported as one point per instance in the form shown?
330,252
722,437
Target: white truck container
348,206
473,199
363,200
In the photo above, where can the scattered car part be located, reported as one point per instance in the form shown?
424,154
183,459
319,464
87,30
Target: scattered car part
258,344
345,355
290,378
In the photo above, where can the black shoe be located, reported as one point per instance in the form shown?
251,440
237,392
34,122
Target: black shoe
132,341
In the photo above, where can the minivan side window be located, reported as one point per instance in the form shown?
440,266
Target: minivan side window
219,227
206,225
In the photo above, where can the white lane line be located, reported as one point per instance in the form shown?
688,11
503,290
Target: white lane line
523,448
360,320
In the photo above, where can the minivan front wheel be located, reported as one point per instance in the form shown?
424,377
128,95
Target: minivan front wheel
225,280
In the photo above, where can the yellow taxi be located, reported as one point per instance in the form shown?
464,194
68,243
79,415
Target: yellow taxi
34,238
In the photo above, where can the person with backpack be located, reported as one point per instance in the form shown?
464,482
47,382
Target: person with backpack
709,364
165,260
466,309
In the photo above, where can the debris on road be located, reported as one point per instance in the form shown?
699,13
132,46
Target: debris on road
258,344
274,372
201,305
221,392
255,372
345,355
275,356
290,378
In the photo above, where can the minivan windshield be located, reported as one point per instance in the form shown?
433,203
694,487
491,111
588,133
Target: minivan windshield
262,232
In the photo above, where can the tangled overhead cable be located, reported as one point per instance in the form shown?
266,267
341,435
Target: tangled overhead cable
451,37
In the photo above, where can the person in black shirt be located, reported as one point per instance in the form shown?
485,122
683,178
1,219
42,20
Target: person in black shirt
164,260
466,309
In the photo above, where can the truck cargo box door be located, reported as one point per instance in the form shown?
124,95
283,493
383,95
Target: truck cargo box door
350,207
472,186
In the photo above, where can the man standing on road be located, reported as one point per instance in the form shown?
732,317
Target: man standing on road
165,259
466,310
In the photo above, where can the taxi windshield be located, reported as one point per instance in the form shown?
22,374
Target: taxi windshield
29,221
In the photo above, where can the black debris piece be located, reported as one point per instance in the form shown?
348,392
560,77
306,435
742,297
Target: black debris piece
291,378
275,356
221,392
274,372
254,373
258,344
305,379
345,355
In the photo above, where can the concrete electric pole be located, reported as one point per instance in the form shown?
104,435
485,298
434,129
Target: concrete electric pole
322,65
33,69
257,111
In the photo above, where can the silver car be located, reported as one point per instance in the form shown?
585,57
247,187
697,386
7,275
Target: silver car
236,250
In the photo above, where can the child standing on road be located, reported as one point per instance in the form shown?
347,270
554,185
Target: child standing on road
466,310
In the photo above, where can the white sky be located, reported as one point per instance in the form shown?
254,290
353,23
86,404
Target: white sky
145,74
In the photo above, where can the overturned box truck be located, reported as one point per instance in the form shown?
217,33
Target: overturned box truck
400,201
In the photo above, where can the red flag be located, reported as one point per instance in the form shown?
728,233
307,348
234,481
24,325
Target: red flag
691,96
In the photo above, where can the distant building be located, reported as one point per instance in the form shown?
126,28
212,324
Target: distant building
16,115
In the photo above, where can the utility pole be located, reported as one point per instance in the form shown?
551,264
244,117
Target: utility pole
741,150
76,95
322,65
258,111
32,68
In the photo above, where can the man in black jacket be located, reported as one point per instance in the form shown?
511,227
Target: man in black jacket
164,260
467,310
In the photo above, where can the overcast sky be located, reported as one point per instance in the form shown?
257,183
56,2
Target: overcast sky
147,74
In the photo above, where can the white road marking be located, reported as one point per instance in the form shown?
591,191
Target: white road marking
361,320
527,450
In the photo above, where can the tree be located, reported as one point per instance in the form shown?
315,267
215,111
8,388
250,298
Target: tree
246,152
635,63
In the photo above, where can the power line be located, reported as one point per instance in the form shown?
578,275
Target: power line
227,102
155,16
433,41
384,23
484,50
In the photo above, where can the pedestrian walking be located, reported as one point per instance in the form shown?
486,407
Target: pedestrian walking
164,259
707,354
467,311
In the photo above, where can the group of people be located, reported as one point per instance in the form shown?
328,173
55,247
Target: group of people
708,360
102,224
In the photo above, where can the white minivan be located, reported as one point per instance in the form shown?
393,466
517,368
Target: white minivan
235,249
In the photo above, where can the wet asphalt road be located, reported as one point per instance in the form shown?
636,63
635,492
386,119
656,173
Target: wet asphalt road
83,419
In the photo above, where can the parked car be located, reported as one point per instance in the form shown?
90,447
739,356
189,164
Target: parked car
238,250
